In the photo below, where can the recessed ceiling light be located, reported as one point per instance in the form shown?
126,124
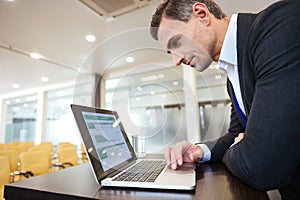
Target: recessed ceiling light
110,19
44,79
90,38
16,85
129,59
35,56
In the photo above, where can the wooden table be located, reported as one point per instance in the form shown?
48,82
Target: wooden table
213,182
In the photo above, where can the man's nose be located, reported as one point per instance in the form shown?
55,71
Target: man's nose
177,59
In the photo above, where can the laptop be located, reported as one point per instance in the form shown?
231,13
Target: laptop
113,160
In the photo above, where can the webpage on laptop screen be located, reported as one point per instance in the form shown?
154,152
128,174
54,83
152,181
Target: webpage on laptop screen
108,139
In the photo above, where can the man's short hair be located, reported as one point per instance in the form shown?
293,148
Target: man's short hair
180,10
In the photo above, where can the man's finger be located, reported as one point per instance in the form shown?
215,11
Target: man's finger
180,153
173,159
167,155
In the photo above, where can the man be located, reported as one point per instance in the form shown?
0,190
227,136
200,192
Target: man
261,55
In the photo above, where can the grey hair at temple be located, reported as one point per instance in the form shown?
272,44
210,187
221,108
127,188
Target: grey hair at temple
180,10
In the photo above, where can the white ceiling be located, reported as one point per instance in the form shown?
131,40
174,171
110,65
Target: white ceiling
56,29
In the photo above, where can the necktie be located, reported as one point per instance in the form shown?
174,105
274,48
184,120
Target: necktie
240,112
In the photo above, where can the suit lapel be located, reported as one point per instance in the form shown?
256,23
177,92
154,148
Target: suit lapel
242,118
244,23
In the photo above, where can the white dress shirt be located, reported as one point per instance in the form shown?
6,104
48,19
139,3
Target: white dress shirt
228,60
229,66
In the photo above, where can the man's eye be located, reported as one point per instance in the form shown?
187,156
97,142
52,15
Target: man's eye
174,42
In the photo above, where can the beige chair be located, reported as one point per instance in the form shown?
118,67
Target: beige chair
48,145
84,157
64,144
17,146
42,148
3,146
13,157
15,143
27,145
67,156
4,173
34,163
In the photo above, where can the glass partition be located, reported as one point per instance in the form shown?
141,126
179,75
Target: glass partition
150,104
21,118
214,103
60,125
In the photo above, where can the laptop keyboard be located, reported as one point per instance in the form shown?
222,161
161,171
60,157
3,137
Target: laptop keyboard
144,171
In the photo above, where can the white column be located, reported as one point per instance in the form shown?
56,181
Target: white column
41,117
191,105
2,120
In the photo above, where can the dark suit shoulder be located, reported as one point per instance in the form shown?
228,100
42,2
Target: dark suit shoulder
266,36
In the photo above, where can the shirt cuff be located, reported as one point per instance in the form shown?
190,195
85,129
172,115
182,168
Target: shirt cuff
207,153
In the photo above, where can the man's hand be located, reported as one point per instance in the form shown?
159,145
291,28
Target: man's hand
183,152
238,139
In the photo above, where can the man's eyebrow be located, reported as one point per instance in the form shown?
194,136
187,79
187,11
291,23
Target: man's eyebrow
174,42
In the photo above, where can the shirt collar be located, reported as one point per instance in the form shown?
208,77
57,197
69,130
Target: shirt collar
228,51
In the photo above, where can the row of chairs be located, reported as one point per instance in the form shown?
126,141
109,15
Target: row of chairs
35,160
4,173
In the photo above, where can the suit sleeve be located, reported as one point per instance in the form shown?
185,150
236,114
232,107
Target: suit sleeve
268,156
220,146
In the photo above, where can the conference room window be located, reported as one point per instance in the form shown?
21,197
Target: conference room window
60,124
151,104
214,103
21,115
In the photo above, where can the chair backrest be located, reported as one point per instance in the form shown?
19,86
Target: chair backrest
64,144
13,157
35,161
42,148
4,172
48,145
27,145
3,146
39,148
15,143
84,157
68,154
17,146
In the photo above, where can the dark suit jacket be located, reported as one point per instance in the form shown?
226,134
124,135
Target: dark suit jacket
268,46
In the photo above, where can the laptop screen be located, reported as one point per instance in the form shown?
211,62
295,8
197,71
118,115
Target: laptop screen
107,138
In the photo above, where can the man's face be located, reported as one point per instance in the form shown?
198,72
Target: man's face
186,42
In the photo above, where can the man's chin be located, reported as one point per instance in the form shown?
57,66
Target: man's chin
201,68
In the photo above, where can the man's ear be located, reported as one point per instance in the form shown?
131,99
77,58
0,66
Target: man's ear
201,12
